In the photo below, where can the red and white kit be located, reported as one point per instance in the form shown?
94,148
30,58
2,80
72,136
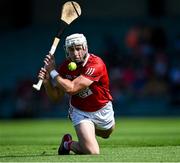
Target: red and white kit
97,94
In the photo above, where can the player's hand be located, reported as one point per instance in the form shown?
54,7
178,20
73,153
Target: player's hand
49,62
44,75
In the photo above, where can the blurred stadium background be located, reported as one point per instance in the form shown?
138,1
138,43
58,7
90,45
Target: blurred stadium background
138,39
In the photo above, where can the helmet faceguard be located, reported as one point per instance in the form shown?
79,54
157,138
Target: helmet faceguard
75,39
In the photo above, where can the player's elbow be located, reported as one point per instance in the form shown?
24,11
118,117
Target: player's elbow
71,90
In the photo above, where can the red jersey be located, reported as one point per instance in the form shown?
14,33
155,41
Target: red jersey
97,94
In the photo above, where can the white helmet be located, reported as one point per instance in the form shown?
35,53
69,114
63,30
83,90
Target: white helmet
75,39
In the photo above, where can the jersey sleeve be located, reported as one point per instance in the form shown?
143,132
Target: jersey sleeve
93,72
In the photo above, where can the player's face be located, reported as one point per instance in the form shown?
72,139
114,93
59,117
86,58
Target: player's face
77,53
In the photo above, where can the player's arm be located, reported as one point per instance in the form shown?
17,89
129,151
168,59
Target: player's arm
74,86
54,93
70,87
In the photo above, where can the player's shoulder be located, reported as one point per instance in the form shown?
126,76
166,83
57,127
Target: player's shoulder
64,64
94,64
94,59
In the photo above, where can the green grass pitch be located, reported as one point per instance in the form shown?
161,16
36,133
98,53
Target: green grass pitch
134,140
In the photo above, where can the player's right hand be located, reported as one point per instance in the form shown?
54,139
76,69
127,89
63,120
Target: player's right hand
44,75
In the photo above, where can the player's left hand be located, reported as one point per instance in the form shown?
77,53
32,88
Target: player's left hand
49,62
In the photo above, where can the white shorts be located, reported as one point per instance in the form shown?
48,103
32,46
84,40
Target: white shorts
102,119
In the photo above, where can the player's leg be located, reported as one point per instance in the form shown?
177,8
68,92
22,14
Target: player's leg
104,121
87,143
104,133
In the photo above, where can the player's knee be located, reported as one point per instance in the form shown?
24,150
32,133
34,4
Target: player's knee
91,150
105,136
